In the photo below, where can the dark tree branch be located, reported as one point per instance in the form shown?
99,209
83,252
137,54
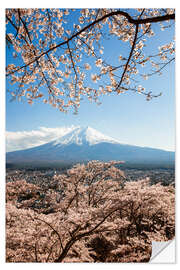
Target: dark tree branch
35,250
80,236
162,67
49,25
24,25
129,58
50,252
92,51
17,31
11,22
73,65
54,230
131,52
52,65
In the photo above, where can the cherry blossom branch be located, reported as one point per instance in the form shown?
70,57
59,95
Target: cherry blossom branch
35,251
11,22
92,51
17,29
70,202
70,243
56,232
36,59
119,12
130,55
73,65
24,25
161,68
131,52
50,25
148,95
50,252
52,64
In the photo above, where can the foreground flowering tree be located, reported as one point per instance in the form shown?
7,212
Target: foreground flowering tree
61,50
96,216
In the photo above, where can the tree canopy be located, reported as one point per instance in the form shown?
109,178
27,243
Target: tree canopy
89,214
58,55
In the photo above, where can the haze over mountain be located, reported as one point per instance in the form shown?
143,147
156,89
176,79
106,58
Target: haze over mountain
84,144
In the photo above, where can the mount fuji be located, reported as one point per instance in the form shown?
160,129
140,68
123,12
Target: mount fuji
84,144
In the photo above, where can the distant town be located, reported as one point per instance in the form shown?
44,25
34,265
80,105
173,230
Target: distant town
43,177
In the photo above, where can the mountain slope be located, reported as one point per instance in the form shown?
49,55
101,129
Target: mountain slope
83,144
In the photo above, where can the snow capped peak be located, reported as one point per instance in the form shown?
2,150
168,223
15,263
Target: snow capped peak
93,137
84,135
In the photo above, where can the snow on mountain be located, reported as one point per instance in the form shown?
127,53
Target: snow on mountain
81,136
83,144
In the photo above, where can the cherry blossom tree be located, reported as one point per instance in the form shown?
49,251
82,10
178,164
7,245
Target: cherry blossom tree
97,217
57,54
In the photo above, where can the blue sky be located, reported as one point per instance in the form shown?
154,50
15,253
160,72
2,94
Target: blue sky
128,117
